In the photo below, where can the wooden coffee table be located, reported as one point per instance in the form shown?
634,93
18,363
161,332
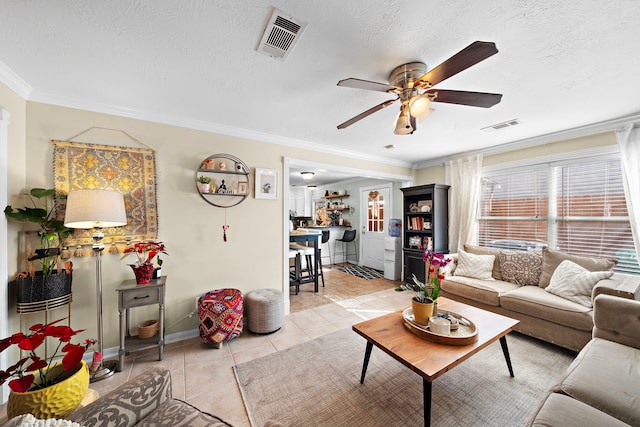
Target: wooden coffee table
426,358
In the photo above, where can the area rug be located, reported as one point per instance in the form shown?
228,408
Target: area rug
362,272
318,383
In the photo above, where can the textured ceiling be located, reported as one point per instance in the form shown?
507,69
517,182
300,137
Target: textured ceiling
561,65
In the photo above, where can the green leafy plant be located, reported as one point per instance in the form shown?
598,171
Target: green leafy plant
204,179
52,230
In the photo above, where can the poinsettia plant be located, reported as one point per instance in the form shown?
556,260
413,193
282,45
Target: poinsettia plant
430,289
145,251
23,371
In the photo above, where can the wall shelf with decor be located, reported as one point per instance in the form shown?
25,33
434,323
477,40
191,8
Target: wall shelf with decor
223,180
425,226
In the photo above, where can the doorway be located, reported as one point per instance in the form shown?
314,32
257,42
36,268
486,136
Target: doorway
375,208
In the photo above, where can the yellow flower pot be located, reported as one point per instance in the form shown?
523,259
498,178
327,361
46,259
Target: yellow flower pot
421,311
56,401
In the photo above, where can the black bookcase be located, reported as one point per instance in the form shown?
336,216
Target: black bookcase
425,225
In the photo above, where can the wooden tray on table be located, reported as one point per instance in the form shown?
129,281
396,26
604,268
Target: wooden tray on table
465,334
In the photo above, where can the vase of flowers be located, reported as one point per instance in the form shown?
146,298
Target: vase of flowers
145,253
424,302
40,386
334,217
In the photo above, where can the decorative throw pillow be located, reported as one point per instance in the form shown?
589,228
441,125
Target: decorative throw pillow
482,250
551,258
521,267
575,283
474,266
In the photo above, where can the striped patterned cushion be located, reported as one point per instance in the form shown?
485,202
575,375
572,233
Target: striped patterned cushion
474,266
575,283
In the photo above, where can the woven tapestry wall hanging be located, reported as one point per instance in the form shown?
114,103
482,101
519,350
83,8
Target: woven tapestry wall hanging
130,171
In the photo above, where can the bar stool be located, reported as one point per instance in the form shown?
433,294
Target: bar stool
325,240
294,270
347,237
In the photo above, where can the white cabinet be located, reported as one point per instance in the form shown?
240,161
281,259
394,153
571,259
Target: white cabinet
392,258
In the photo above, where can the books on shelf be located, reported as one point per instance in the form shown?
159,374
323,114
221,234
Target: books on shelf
417,223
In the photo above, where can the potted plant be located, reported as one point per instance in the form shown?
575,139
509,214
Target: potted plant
40,386
426,294
204,184
143,268
51,281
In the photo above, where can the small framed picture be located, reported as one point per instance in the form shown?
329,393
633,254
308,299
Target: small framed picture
266,184
415,242
243,187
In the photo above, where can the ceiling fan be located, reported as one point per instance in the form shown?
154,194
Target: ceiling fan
413,86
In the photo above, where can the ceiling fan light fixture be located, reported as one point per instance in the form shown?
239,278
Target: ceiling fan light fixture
307,175
403,122
419,106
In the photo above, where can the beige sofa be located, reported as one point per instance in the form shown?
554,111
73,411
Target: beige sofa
517,286
601,387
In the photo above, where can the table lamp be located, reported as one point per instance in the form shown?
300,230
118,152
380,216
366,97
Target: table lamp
97,209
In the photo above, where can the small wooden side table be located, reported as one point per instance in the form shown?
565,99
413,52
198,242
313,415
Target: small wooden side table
131,295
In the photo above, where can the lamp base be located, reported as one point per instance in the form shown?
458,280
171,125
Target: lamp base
107,368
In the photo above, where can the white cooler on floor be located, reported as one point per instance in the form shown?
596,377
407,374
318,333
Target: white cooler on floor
392,258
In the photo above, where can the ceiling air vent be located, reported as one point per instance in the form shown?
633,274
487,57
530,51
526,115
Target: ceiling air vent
498,126
281,35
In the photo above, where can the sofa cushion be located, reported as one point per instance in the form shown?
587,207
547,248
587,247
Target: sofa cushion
552,258
520,267
478,250
484,291
536,302
176,413
561,410
575,283
604,376
474,266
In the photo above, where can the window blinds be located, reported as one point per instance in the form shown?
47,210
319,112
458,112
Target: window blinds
575,206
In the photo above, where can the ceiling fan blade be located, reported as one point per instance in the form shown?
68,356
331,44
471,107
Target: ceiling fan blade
366,113
476,52
369,85
475,99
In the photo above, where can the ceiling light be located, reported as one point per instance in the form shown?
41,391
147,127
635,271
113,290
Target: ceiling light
307,175
311,187
420,107
403,122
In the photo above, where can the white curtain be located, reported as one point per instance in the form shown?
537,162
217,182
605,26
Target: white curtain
629,143
463,175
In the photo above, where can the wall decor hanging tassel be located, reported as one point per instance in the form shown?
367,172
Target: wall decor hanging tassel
225,227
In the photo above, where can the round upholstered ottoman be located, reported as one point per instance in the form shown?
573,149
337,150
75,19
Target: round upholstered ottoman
265,310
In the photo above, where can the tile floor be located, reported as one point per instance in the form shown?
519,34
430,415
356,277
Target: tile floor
204,377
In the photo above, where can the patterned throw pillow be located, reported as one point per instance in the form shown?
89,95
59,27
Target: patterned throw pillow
521,267
475,266
575,283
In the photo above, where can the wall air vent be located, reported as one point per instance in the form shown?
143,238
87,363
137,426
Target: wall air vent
503,125
281,35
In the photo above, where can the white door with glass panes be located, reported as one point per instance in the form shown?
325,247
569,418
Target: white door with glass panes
375,208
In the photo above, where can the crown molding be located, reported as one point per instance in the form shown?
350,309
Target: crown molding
14,81
207,126
590,129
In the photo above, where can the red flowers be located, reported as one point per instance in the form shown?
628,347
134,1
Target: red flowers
145,251
23,380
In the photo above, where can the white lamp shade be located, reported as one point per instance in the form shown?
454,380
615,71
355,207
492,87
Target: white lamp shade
95,208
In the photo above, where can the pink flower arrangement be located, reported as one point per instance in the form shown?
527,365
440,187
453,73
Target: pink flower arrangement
428,291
